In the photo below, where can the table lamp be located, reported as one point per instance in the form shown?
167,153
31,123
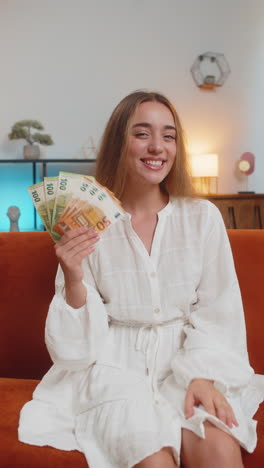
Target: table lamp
204,167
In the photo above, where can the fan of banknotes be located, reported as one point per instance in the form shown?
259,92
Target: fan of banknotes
69,201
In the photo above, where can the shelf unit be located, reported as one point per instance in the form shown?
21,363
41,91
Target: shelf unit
41,166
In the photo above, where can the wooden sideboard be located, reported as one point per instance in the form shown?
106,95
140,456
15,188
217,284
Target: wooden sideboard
241,210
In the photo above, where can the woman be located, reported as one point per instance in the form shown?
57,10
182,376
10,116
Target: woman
146,329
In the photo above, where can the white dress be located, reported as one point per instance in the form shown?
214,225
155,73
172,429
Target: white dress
151,324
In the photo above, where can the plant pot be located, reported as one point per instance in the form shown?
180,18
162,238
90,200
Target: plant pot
31,152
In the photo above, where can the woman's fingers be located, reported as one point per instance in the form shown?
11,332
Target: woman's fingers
72,248
76,240
202,391
80,246
70,238
234,419
71,234
189,404
81,251
209,406
225,413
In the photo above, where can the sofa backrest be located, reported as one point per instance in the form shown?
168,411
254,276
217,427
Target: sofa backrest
27,271
248,252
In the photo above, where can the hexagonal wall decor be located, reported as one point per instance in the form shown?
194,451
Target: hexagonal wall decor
210,70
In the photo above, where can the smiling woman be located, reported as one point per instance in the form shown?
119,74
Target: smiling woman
146,328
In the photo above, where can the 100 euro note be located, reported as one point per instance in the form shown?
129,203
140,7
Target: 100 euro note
37,195
66,186
81,201
50,190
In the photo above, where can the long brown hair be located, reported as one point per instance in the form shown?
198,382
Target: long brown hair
111,159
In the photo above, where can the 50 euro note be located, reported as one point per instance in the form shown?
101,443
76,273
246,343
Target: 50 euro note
81,201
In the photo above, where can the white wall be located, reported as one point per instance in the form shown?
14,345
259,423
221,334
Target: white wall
68,63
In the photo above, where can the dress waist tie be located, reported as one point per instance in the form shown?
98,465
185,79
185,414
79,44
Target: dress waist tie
151,352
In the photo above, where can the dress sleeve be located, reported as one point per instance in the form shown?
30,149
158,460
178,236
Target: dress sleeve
215,345
74,337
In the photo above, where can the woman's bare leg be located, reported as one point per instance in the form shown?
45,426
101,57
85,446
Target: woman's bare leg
217,450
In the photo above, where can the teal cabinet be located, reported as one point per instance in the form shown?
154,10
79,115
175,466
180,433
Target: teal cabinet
17,175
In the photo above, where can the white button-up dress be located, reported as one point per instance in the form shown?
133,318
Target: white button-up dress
151,324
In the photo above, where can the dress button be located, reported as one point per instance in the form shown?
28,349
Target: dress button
157,310
153,274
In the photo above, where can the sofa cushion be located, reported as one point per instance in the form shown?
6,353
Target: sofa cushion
14,393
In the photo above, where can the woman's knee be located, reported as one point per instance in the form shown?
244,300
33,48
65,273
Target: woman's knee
217,445
221,443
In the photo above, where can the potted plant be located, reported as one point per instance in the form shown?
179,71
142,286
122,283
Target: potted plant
22,130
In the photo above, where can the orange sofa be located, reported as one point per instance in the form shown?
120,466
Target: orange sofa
27,271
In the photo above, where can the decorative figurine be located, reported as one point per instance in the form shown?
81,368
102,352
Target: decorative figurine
246,166
89,149
13,214
218,66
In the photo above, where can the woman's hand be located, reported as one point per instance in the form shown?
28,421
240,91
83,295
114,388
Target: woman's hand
71,249
202,391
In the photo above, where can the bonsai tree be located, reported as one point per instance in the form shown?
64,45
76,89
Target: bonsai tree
22,129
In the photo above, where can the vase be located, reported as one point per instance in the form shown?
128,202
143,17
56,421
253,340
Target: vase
31,152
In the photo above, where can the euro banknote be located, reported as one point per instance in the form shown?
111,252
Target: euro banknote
71,200
50,190
81,201
37,195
